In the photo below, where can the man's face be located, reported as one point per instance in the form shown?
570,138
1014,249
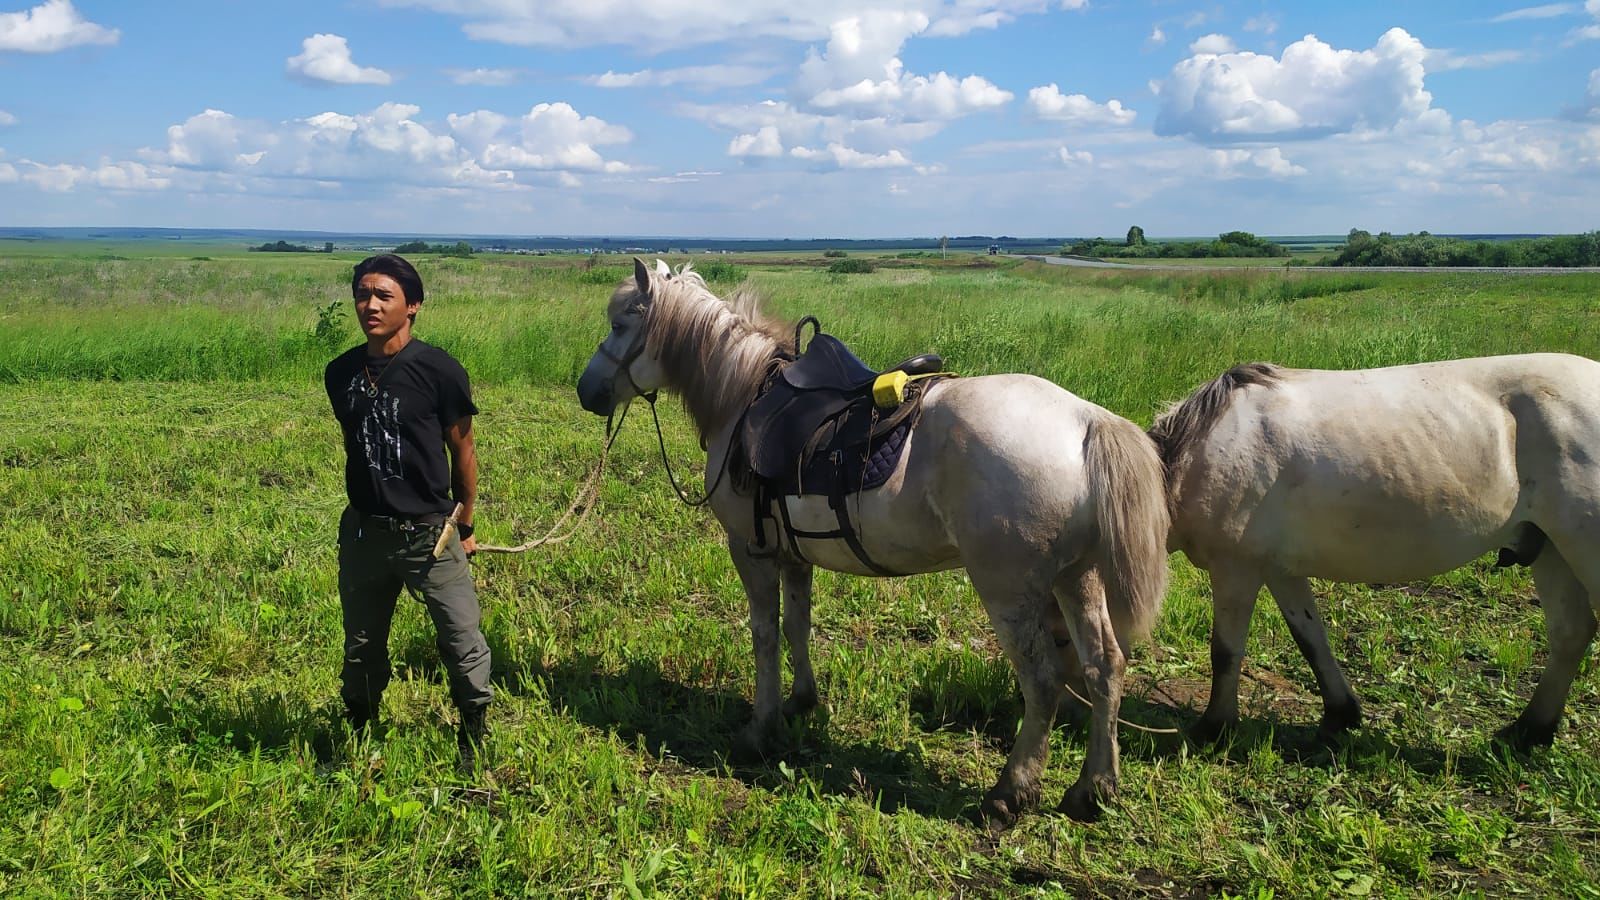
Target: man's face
381,305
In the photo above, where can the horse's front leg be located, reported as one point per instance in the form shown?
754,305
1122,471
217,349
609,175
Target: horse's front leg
760,578
797,632
1234,589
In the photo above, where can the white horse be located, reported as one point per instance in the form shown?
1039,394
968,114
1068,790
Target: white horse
1383,475
1054,506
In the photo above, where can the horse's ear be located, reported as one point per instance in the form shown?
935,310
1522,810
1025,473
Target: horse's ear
662,269
641,276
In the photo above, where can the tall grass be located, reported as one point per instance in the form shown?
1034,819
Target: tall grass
169,620
1126,340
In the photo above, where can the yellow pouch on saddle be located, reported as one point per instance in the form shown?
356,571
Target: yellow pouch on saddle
889,389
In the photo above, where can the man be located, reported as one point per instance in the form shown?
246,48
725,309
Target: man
402,404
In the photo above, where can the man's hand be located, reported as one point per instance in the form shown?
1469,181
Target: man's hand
463,473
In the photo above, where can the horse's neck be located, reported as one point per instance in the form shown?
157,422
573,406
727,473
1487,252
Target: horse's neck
717,382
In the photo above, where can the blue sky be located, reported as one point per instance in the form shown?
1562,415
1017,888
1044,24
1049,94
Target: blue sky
771,118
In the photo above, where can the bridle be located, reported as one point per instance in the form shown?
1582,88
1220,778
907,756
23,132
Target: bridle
624,363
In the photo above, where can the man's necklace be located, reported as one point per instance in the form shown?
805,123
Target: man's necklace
372,383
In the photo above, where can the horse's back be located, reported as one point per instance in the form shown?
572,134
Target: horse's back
1387,474
1009,454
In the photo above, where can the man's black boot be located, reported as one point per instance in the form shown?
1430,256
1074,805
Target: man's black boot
469,739
362,718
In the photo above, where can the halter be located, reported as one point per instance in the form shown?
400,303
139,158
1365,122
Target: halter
624,363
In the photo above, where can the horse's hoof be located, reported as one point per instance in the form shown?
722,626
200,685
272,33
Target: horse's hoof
1522,736
1085,800
749,747
1337,720
799,704
1207,730
1000,811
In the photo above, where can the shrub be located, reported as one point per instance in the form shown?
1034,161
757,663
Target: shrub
851,266
721,271
1424,249
835,254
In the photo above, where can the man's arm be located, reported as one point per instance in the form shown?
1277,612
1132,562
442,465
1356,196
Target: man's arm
463,473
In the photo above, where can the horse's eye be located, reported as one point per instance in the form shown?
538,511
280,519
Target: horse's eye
616,327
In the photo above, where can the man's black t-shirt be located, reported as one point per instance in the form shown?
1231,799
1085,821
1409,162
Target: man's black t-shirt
395,414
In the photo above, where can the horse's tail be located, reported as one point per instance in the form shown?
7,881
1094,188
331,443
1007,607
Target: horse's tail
1127,482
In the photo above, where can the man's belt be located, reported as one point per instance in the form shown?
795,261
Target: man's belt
402,523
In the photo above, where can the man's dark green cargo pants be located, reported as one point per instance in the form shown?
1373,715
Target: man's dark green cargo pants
376,560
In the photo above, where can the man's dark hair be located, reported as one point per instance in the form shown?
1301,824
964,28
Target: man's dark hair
393,266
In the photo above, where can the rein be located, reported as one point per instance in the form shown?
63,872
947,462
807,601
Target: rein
1120,720
587,498
625,364
661,442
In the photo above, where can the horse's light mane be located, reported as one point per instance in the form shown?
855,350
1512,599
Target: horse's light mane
714,351
1189,420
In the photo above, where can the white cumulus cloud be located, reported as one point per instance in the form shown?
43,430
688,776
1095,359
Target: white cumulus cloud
1213,43
1048,102
556,136
212,139
1074,157
49,27
7,118
1313,90
847,158
764,142
1269,162
1591,31
326,58
939,96
390,143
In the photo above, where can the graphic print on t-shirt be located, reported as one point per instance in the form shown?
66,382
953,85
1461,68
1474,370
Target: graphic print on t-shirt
379,429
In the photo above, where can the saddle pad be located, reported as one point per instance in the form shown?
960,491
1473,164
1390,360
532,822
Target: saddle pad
846,470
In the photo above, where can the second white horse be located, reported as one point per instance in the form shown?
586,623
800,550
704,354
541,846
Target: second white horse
1278,475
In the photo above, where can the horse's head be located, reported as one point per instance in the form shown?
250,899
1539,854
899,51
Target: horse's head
620,369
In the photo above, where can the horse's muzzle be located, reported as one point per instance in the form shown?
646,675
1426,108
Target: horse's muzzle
595,395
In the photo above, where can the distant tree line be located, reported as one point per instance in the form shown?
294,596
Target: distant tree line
1423,249
286,247
1135,246
459,248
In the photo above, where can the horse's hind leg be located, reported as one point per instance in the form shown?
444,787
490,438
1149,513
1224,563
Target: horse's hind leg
1341,710
1073,710
797,631
1569,624
1082,601
760,578
1233,598
1018,607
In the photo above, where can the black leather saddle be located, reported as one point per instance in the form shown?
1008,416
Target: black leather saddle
816,429
822,401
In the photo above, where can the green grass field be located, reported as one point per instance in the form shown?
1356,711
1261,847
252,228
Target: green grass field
168,612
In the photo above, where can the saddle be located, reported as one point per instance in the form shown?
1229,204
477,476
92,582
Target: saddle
818,428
